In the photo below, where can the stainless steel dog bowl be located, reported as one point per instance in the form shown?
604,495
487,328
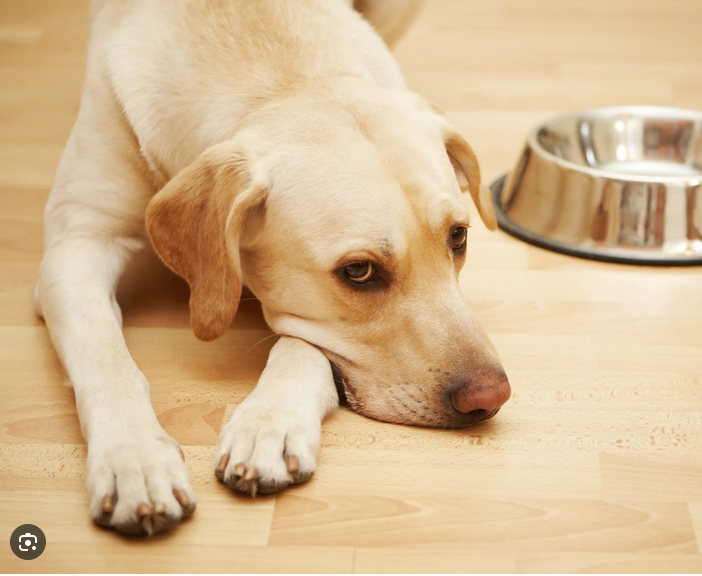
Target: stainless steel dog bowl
621,184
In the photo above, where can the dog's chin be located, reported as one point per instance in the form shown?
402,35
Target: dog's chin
402,413
438,420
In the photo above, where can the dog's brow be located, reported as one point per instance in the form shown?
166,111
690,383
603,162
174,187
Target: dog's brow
455,213
382,252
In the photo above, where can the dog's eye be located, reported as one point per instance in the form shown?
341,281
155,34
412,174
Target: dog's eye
360,272
458,238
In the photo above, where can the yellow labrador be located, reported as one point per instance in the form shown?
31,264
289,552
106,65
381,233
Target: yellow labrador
273,144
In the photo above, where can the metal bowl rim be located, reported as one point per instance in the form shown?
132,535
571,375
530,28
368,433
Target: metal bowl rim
605,112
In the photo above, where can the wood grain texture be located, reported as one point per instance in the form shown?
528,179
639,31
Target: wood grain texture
595,465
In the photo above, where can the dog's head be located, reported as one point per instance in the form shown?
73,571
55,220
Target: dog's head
346,218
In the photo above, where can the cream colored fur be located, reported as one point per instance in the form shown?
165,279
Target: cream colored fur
283,141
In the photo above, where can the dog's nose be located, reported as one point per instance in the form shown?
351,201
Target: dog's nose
482,396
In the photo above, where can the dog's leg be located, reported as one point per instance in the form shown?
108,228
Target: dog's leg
390,18
272,438
136,477
137,481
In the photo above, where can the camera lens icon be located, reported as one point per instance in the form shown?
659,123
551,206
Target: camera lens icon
28,542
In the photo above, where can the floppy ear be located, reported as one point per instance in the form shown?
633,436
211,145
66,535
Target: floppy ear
467,171
195,223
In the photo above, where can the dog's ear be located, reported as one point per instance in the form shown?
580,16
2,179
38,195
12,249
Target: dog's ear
465,164
195,223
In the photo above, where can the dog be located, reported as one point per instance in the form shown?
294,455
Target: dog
272,144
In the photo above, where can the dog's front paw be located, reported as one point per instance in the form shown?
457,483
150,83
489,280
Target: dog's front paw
264,449
138,482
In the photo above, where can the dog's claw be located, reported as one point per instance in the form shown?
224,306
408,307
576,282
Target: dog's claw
248,480
293,463
147,525
221,467
251,474
182,497
107,504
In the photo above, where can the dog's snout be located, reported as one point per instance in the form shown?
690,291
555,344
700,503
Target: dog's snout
483,395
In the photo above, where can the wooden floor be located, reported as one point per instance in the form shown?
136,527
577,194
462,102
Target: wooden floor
594,465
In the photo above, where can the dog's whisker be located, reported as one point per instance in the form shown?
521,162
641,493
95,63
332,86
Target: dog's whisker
259,342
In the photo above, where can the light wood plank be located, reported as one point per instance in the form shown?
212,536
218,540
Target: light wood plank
480,524
404,561
611,564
